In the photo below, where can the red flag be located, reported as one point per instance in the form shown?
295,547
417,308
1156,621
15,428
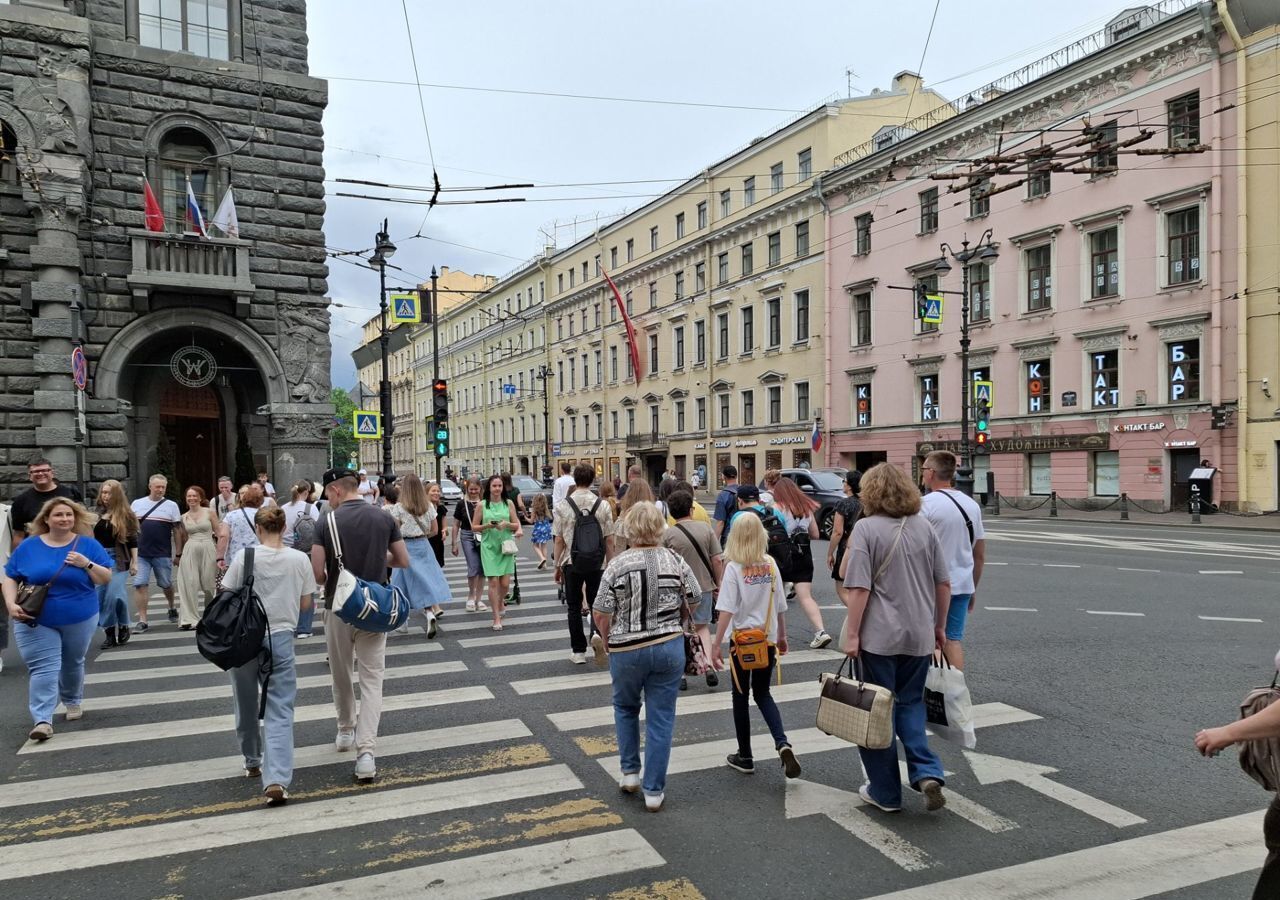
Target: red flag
632,348
151,211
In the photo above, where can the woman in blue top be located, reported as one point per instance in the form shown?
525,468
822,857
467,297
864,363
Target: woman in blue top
53,645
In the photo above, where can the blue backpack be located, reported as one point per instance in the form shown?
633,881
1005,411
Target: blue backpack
366,605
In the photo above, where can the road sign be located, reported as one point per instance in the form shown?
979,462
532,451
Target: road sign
509,389
932,310
79,368
555,449
406,309
984,390
366,424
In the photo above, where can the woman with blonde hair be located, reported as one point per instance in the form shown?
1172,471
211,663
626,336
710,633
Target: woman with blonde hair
638,491
645,594
423,582
61,553
117,531
609,494
751,596
898,589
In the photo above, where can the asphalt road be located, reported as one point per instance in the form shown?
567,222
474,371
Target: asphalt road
1095,653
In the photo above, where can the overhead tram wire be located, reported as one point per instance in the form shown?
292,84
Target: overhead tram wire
422,107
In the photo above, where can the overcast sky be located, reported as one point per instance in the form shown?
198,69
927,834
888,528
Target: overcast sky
765,60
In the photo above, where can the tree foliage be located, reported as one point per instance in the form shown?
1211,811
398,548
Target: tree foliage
344,442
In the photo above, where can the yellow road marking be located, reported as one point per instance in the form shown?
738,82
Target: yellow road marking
675,889
596,746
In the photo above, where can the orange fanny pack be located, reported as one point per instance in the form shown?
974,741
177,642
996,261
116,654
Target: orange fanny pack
751,647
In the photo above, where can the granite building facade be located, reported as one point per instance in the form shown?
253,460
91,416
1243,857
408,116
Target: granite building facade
202,351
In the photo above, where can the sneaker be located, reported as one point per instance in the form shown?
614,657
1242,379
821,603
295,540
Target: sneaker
42,732
366,769
403,629
122,635
471,606
578,659
253,771
791,590
597,645
276,795
653,802
74,711
932,790
713,680
346,740
173,615
141,628
743,764
790,765
302,635
432,628
865,794
684,683
820,640
630,783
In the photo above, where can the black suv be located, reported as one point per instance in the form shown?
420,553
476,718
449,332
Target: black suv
826,486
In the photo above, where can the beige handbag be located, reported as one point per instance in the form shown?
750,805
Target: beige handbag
855,711
510,547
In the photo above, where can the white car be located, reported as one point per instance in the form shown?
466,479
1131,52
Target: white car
449,491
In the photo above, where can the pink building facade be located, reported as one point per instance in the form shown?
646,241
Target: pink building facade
1105,322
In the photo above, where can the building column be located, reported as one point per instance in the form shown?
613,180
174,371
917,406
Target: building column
299,444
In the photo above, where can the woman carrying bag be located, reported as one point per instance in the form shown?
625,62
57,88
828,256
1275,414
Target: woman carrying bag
423,582
898,590
495,520
117,531
468,541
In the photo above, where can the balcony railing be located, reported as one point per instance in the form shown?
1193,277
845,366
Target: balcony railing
189,264
647,440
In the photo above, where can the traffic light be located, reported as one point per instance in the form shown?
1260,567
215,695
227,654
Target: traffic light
922,299
982,425
440,415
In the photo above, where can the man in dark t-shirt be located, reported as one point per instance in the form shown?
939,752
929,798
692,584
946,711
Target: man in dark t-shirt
27,505
370,541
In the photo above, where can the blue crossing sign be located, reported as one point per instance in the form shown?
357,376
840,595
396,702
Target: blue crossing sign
406,309
366,424
984,391
932,310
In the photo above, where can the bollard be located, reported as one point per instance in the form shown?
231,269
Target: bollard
1053,504
995,506
1124,507
1195,504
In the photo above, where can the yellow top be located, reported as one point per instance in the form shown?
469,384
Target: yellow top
698,514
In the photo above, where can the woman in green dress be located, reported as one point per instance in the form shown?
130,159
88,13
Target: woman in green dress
495,520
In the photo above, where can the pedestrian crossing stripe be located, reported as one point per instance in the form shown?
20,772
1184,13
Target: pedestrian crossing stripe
366,424
406,309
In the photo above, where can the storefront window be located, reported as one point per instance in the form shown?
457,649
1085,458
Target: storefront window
862,405
1104,373
1184,371
1039,399
1039,474
1106,473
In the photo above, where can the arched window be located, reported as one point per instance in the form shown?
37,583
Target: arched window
8,155
184,154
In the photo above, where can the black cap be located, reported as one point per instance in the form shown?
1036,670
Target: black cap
748,492
333,475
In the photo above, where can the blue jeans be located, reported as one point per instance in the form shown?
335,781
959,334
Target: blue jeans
54,655
113,601
655,673
904,675
306,619
277,759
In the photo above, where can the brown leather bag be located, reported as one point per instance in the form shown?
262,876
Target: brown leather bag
1261,759
31,597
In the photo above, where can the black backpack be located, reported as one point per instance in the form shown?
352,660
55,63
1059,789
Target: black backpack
781,547
304,530
587,554
231,631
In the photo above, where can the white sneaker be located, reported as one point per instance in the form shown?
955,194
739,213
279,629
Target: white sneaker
653,802
579,659
597,645
432,628
820,640
366,769
471,606
346,740
74,712
630,782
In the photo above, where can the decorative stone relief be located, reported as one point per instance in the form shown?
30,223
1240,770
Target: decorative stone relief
304,351
1181,420
1102,424
298,429
1181,331
926,366
1103,342
1037,428
1036,351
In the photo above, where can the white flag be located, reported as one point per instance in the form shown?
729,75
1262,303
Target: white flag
225,218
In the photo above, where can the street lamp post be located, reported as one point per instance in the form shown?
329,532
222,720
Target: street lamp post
984,252
544,373
383,250
435,351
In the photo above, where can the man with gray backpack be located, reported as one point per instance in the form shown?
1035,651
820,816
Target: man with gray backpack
582,525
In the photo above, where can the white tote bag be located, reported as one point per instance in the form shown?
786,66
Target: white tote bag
949,709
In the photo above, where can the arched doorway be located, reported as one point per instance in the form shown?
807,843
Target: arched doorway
193,427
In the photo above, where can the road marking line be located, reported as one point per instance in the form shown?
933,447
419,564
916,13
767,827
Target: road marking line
997,564
807,798
1229,619
234,829
175,728
447,628
988,769
148,778
1060,565
799,657
560,683
1011,609
1148,571
305,653
1123,870
1110,612
518,638
1024,564
1221,572
503,873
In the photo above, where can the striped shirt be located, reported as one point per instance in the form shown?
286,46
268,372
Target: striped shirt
644,590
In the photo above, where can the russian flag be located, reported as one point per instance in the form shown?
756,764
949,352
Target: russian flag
194,216
817,437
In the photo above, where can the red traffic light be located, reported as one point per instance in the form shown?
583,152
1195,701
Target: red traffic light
981,438
440,386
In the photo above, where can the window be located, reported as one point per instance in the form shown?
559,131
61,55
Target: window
802,316
722,268
1039,394
802,238
680,416
586,427
679,225
653,354
862,319
775,178
631,421
930,283
699,342
1039,277
748,408
749,191
631,369
572,276
613,364
570,326
929,211
1104,263
196,26
1184,120
1183,230
774,399
723,400
560,283
613,258
726,203
631,249
980,198
702,214
1104,378
748,329
1183,358
862,405
722,336
678,341
773,322
182,155
653,295
8,151
1040,474
862,226
802,401
775,248
927,390
804,164
748,252
585,276
699,277
653,238
597,262
613,424
597,315
599,358
562,434
679,285
572,376
700,407
1106,473
979,292
631,308
1105,157
653,418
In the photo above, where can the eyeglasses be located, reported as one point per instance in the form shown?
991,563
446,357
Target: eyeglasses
40,471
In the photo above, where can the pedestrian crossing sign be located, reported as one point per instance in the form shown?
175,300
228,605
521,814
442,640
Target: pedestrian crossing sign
932,310
984,392
406,309
366,424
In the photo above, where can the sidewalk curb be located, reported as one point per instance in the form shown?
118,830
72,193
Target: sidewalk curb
1219,522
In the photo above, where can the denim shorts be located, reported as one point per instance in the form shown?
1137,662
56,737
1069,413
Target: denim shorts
161,565
957,615
702,609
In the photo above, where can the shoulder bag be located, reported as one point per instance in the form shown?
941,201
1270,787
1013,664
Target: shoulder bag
853,710
1260,759
365,605
31,597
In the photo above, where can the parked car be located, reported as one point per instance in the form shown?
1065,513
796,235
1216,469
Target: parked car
826,486
449,490
528,487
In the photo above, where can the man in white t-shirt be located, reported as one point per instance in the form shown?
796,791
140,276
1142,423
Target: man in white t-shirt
366,489
157,518
563,485
957,520
268,488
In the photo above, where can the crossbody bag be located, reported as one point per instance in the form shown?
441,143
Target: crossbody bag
32,597
751,645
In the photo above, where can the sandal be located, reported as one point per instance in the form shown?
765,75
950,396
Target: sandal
497,626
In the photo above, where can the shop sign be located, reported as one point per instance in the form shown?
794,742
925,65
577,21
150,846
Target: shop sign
750,443
193,367
720,445
1043,444
1174,445
1069,398
699,446
799,439
1141,426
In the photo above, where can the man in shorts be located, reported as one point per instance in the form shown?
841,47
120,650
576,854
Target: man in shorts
957,520
157,517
